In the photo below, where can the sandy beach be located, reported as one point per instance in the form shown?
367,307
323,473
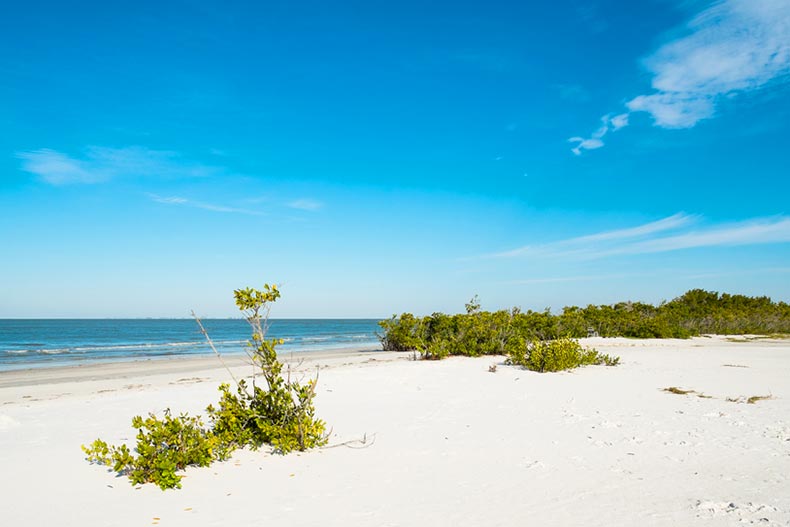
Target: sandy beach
447,443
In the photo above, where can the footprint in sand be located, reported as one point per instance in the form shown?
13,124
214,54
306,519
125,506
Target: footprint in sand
747,513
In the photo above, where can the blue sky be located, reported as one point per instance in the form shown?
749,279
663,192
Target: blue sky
378,158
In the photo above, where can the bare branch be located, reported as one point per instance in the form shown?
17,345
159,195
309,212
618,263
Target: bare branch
211,344
354,443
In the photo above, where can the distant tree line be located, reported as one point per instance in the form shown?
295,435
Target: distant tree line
479,332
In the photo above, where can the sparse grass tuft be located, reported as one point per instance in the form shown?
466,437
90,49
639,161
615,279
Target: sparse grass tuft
678,391
749,400
681,391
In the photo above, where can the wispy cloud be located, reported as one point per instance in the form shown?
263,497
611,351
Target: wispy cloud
675,273
306,204
740,272
585,242
563,279
609,123
593,143
101,164
751,232
731,48
177,200
673,233
58,169
665,224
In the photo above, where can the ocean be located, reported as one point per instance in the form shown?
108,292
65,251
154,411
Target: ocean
32,343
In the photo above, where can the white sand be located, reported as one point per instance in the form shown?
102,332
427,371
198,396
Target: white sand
454,444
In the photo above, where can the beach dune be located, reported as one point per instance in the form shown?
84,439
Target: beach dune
431,443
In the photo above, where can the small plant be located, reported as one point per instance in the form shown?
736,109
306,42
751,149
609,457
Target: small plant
749,400
557,355
164,446
281,413
473,306
681,391
278,412
677,391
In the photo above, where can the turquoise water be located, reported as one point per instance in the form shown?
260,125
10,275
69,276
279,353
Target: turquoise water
28,343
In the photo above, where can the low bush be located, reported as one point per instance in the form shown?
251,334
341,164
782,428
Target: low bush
557,355
402,333
164,446
479,332
278,412
528,339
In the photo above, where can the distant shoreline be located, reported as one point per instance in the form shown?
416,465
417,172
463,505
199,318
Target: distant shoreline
38,343
125,367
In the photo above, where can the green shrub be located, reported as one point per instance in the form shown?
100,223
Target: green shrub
402,333
436,351
278,412
479,332
163,447
557,355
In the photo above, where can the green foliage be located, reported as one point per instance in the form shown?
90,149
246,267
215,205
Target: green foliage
283,417
481,333
557,355
163,447
677,391
754,399
476,333
251,301
402,333
278,412
473,306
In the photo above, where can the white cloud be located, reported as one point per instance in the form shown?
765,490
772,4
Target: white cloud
734,46
731,48
609,123
177,200
573,245
673,110
306,204
665,224
174,200
585,144
100,164
665,235
56,168
676,273
560,279
751,232
619,121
